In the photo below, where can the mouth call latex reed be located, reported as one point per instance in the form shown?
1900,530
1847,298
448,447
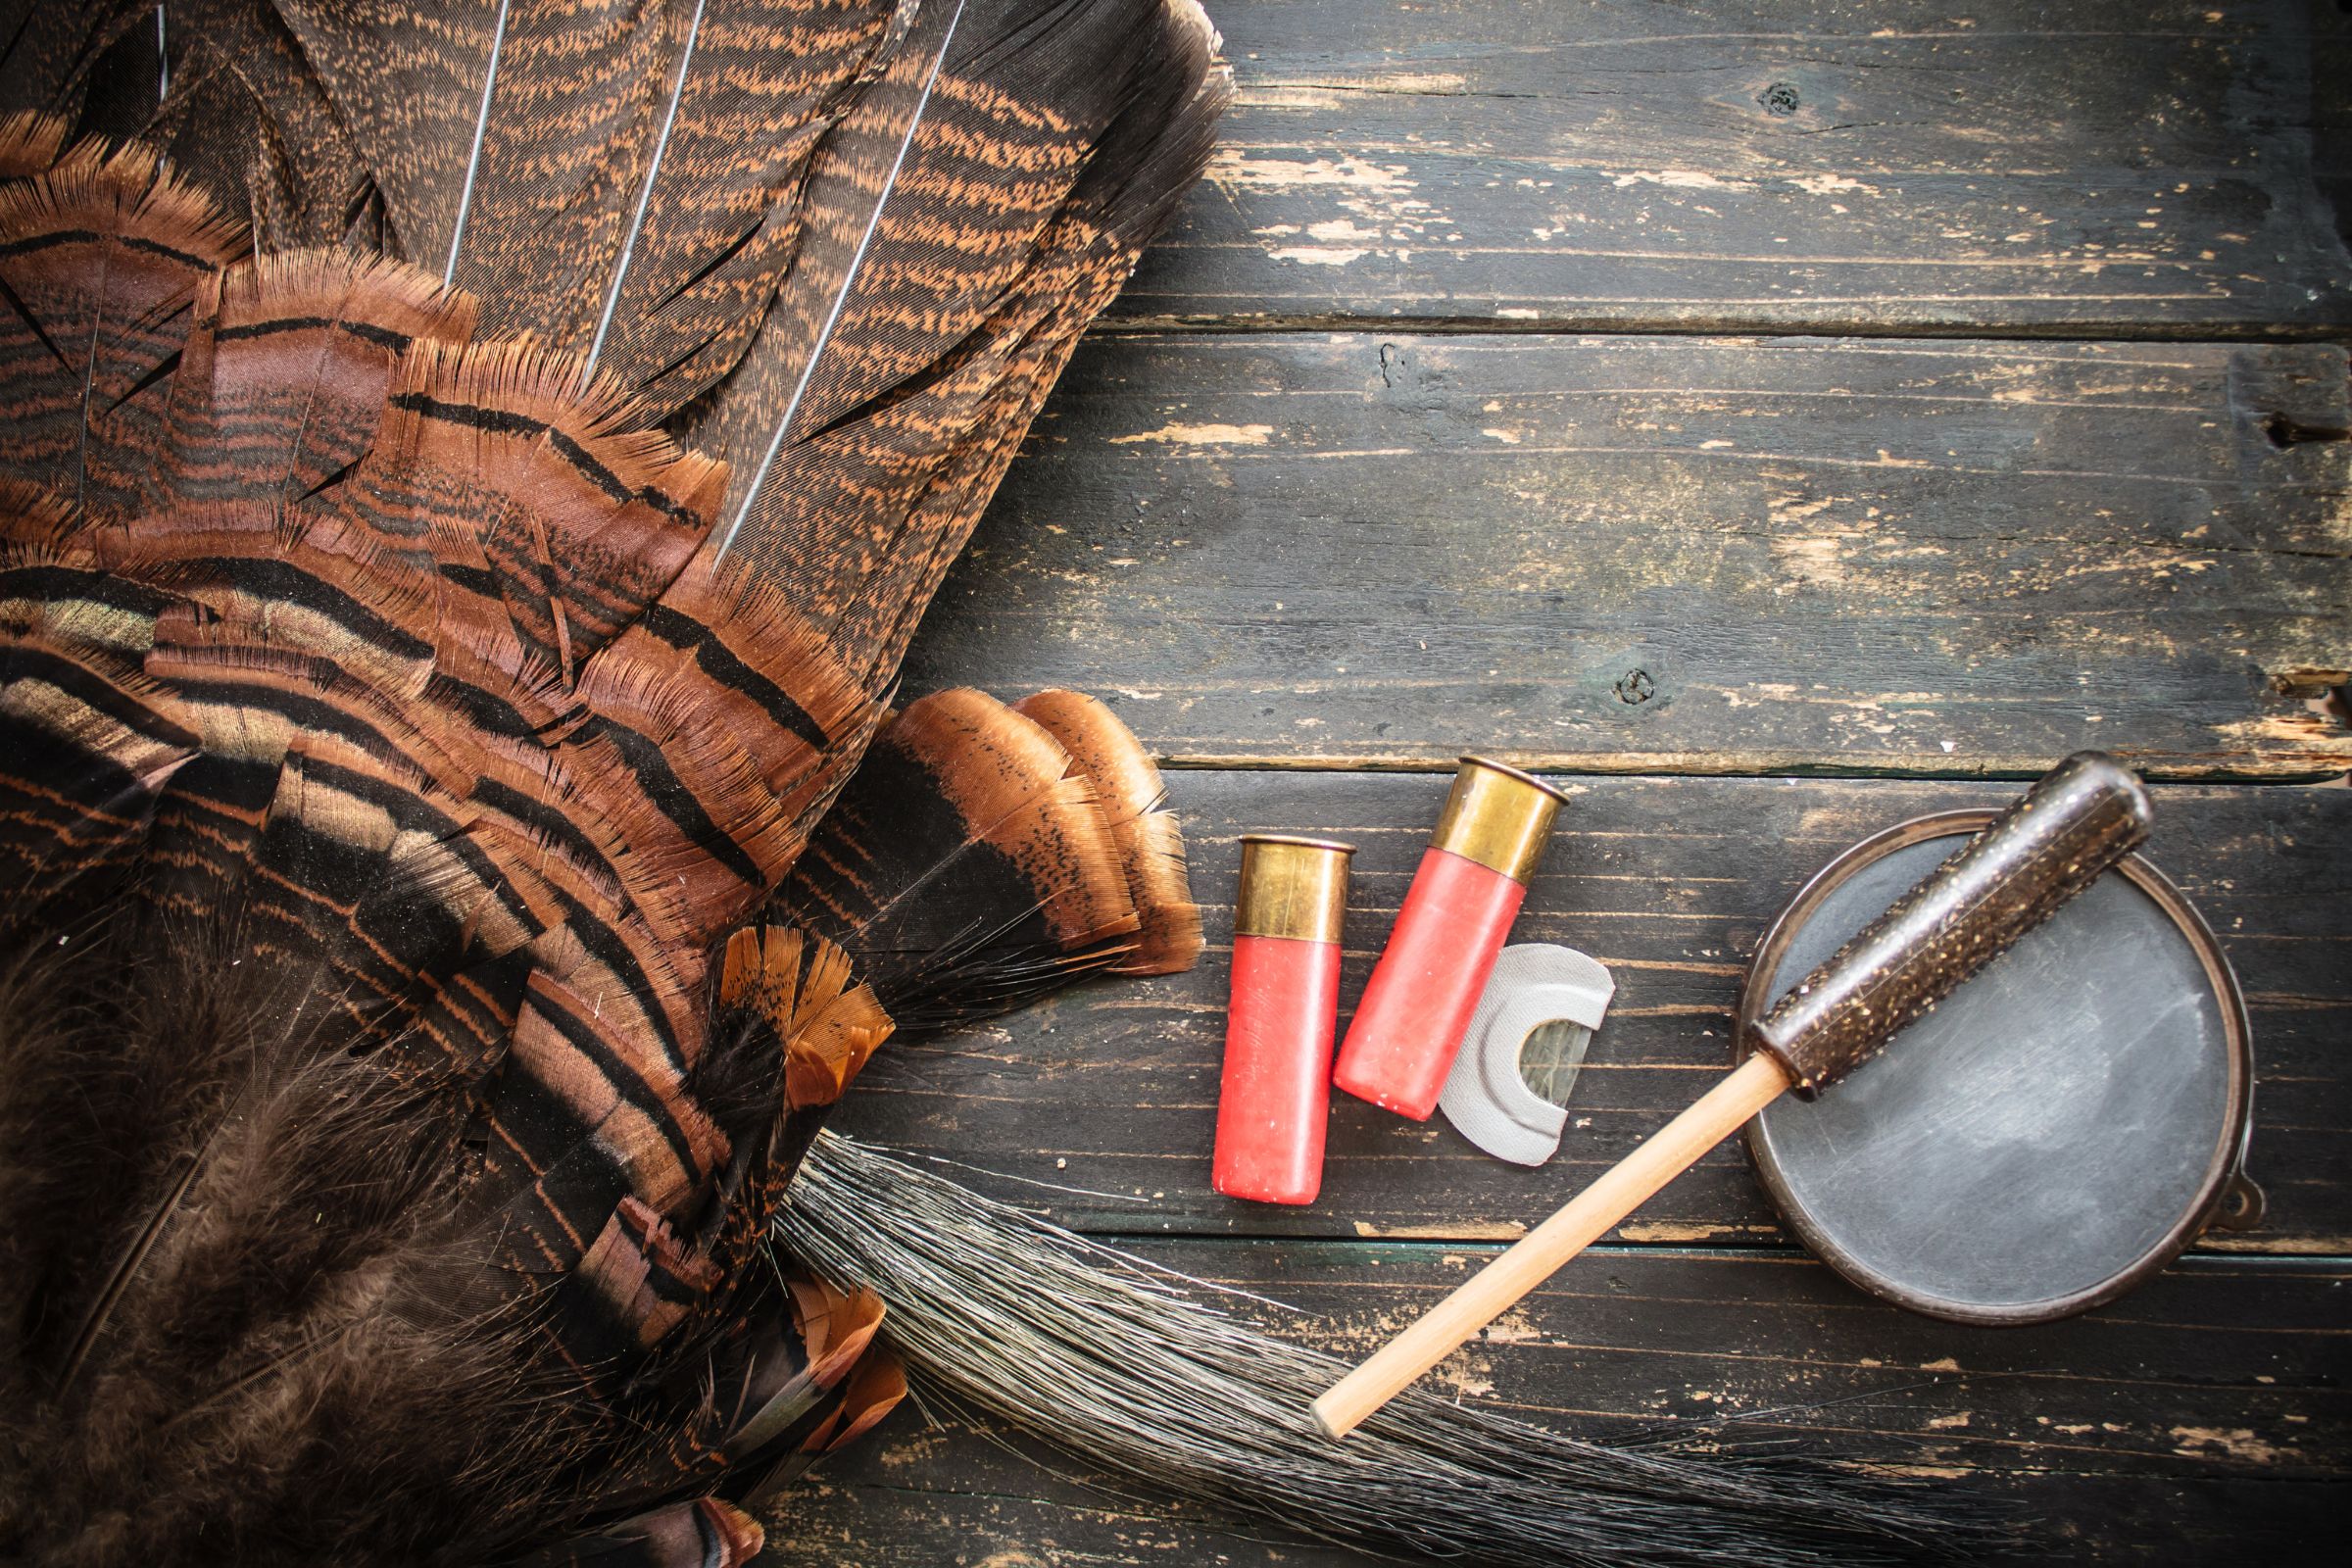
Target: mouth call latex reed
1275,1097
1454,920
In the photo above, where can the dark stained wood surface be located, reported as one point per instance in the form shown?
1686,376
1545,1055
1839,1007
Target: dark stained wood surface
2117,167
2202,1418
1112,1088
1721,556
2332,108
1895,395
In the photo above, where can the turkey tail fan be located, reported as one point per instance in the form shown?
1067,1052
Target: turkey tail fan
844,245
366,846
393,1103
393,1099
976,860
654,184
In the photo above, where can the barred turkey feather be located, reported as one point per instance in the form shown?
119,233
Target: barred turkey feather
1148,844
978,859
399,1074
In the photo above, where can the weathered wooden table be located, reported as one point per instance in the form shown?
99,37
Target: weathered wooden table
1778,420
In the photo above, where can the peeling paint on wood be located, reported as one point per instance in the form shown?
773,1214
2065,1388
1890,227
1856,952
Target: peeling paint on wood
1843,167
1718,555
1671,883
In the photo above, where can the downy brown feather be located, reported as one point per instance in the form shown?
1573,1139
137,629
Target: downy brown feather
391,755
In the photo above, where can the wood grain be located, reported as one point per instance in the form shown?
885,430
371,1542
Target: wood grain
2205,1416
1722,555
1860,167
1515,1273
2332,108
1957,529
1101,1105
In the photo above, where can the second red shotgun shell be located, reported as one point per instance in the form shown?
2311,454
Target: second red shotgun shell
1454,920
1275,1097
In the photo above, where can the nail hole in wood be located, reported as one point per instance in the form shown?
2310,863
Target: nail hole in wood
2282,432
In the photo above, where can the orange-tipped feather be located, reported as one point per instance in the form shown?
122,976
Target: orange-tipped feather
973,863
1151,845
394,1101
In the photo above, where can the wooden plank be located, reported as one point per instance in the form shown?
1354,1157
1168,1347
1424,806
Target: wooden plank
2092,170
2203,1417
2331,109
1099,1105
1633,554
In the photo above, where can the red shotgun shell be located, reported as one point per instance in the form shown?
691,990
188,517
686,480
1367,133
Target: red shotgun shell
1454,920
1275,1097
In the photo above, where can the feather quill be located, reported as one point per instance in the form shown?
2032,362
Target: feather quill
617,179
719,213
850,269
473,152
884,409
400,756
645,194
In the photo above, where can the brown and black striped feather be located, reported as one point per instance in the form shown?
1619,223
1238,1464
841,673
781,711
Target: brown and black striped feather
51,53
869,486
221,89
103,260
281,386
1134,807
402,755
969,867
725,197
622,181
245,117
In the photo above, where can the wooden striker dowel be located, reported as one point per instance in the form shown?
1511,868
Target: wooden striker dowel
1535,1257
